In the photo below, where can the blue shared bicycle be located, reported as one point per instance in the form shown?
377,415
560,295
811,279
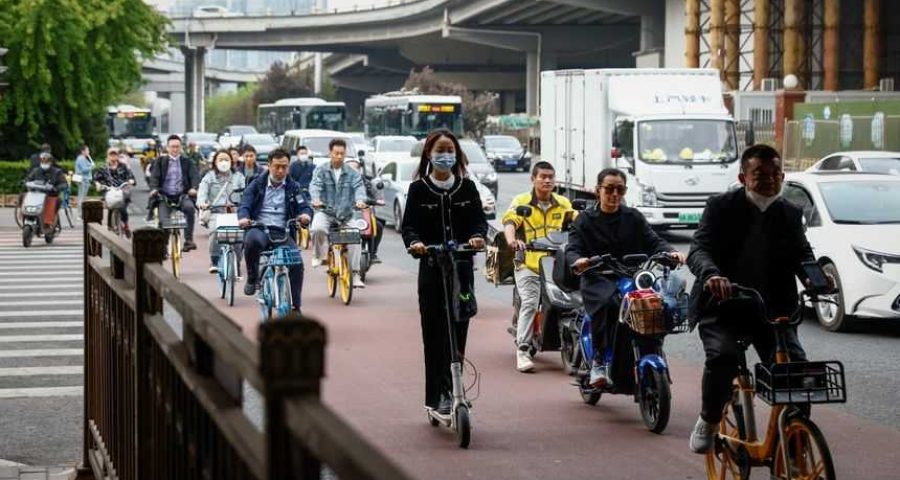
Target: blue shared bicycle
274,294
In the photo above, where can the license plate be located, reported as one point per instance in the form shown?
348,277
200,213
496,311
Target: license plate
689,217
512,162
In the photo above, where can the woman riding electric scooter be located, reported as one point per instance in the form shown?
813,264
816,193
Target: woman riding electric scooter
443,210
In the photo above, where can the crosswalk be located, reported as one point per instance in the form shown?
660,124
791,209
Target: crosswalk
41,316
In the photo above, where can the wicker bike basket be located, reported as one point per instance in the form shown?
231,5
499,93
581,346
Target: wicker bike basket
645,313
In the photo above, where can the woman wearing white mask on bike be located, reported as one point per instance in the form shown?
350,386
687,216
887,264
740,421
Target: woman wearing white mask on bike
215,189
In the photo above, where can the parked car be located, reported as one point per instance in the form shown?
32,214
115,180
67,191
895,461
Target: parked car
860,161
263,143
506,153
231,135
206,142
387,148
478,166
317,142
853,224
398,175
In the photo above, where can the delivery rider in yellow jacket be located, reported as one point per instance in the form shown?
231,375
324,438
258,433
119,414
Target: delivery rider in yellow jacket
548,213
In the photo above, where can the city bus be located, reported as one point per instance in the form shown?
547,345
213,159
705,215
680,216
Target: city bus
128,121
416,115
301,114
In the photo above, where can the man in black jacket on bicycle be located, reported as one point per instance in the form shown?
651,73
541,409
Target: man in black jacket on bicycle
753,237
174,177
272,199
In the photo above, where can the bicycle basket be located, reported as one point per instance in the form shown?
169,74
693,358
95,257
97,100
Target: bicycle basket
644,313
801,382
344,237
176,221
114,198
229,235
285,257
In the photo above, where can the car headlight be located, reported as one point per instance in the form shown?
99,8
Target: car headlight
489,177
875,260
488,208
648,195
527,156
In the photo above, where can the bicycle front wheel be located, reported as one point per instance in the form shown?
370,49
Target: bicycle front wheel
175,252
808,455
346,279
721,463
231,275
332,275
283,285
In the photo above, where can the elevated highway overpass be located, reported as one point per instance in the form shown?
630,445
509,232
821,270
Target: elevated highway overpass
500,45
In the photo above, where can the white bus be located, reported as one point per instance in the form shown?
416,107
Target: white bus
128,121
416,115
301,113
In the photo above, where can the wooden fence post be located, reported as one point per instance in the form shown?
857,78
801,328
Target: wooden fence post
148,245
292,363
91,212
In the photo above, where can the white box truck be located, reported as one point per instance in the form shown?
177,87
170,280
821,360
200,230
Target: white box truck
668,129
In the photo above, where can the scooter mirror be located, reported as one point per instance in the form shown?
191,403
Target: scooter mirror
579,204
523,211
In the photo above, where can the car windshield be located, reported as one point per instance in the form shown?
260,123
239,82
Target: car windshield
868,202
502,143
200,137
686,141
243,130
396,145
318,146
260,139
881,165
407,170
473,152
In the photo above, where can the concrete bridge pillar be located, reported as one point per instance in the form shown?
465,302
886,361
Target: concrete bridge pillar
194,88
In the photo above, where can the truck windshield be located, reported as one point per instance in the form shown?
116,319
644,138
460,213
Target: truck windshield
686,141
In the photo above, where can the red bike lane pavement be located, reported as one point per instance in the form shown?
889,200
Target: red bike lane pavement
524,425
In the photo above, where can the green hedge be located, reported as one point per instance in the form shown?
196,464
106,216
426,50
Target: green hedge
13,173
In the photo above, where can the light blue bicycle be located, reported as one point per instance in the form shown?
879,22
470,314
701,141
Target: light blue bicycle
274,294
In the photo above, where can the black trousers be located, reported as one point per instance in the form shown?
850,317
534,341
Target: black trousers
436,333
720,342
602,323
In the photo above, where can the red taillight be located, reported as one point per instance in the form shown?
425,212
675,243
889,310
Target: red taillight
615,153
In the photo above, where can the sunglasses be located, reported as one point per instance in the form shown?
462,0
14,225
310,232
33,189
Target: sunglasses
610,189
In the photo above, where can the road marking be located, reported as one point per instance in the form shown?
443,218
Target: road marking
47,352
56,293
40,338
13,325
43,286
42,313
34,371
41,392
41,304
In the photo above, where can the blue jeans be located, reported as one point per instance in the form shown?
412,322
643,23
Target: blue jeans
83,188
255,242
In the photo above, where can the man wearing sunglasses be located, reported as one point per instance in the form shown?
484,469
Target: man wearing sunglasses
609,228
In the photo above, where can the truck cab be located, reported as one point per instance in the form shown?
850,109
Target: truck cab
667,129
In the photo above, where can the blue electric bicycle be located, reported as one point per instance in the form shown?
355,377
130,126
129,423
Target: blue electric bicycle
274,294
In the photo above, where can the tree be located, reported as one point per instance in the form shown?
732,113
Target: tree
234,108
68,60
283,82
476,107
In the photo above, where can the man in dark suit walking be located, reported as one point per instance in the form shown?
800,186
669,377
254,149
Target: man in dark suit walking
753,237
175,178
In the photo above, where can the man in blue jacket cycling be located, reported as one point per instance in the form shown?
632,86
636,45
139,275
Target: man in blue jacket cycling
272,199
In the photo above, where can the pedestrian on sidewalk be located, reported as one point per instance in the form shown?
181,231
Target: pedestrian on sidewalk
443,205
84,171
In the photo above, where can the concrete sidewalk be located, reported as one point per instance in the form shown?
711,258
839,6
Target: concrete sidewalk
17,471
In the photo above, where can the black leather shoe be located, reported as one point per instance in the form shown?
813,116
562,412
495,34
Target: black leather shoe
250,287
189,245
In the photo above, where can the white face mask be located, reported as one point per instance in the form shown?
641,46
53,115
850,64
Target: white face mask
45,166
223,166
762,202
303,157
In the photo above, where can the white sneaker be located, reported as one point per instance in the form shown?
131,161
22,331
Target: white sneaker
702,436
315,263
358,283
523,361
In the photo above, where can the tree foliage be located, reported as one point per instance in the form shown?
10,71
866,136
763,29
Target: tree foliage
476,106
67,61
281,81
233,108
